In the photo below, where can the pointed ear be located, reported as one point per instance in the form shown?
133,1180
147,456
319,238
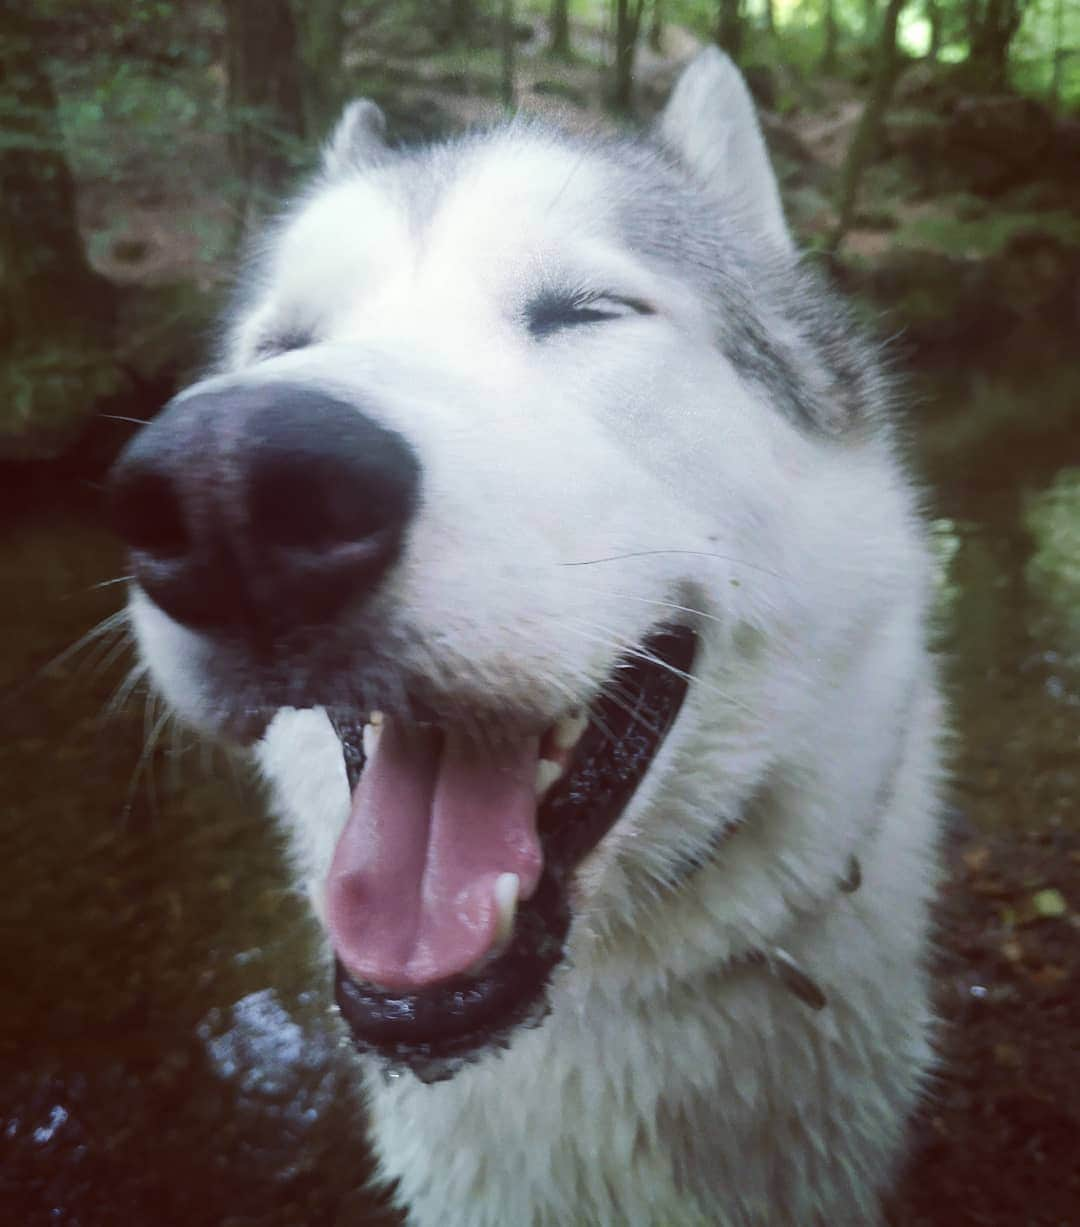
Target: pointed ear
710,124
357,140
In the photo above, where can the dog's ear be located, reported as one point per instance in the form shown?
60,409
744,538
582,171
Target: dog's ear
357,140
710,124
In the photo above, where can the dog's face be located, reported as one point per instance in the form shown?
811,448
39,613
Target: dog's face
495,462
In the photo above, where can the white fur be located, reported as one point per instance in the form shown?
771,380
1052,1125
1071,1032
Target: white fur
672,1083
710,121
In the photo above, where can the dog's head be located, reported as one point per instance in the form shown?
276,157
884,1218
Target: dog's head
511,441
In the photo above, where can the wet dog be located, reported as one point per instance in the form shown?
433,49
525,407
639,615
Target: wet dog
541,523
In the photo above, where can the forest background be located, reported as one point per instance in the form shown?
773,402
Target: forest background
140,140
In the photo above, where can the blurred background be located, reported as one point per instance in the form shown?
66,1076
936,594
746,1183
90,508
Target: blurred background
167,1054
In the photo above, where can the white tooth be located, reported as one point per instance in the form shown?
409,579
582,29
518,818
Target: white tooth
317,898
376,718
568,731
507,886
547,773
372,733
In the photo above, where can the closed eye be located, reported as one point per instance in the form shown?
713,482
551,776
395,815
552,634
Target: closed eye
555,310
282,342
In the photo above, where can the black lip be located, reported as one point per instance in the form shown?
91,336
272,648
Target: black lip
434,1031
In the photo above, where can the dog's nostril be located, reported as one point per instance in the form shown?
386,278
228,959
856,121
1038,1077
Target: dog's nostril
324,501
147,513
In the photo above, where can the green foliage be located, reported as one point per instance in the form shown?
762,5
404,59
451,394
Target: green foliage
476,71
151,69
149,108
146,127
1052,517
44,392
986,235
1048,26
134,79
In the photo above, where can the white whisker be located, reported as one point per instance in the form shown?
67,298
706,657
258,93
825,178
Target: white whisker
609,691
628,647
102,666
114,622
109,583
124,691
575,701
119,417
155,726
735,562
644,600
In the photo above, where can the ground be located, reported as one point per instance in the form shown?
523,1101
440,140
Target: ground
997,1140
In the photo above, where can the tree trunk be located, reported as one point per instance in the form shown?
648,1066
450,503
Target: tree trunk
41,252
321,27
266,120
729,28
971,21
560,29
934,16
1059,54
627,25
868,130
992,26
869,19
770,17
460,27
656,26
506,31
56,313
828,54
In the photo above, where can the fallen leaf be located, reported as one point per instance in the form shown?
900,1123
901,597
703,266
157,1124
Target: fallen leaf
1049,903
976,858
1048,976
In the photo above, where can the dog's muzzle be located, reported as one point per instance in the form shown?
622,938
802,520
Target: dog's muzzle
256,513
256,510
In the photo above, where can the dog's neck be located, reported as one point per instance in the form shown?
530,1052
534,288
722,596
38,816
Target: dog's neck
773,957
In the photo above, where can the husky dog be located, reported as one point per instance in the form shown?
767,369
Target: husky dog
542,525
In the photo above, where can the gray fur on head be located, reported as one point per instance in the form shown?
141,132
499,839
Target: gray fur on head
710,124
358,138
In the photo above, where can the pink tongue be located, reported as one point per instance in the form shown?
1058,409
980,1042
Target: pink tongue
434,822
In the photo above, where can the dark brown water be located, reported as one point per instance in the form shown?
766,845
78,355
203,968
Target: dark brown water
166,1055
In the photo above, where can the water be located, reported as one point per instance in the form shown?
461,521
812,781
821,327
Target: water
1012,643
167,1052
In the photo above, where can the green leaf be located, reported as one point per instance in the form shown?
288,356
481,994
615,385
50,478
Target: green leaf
1049,903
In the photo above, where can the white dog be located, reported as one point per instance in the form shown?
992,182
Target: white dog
542,523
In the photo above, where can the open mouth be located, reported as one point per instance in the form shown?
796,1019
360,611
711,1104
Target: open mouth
448,897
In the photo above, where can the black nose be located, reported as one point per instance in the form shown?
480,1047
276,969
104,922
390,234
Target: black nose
259,510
